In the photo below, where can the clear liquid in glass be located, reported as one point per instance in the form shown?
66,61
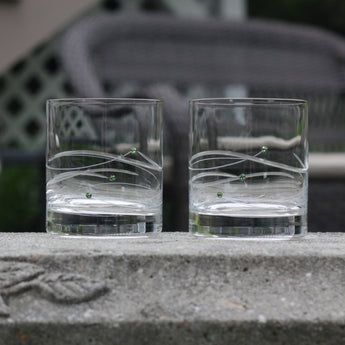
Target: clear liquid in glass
103,194
239,196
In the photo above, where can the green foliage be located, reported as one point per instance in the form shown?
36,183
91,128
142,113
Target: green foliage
21,206
328,14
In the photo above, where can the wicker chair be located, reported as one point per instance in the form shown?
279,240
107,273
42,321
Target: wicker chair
160,56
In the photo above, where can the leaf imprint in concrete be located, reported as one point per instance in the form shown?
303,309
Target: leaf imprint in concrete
58,287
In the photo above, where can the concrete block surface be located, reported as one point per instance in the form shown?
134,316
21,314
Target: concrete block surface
171,288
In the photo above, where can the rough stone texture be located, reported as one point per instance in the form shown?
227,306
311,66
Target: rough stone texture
171,288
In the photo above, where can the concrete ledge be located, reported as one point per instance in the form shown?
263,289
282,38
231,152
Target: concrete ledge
171,288
327,165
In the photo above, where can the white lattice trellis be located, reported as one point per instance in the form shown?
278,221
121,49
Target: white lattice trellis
27,86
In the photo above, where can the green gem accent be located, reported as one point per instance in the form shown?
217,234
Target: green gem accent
219,194
88,195
112,178
242,177
133,150
264,149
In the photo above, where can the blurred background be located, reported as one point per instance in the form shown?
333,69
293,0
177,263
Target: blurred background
31,72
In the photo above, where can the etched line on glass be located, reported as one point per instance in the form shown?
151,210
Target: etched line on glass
230,155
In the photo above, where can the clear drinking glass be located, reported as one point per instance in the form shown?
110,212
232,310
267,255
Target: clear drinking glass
104,166
248,168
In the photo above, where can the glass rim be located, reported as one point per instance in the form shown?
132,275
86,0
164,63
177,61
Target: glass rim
225,101
105,100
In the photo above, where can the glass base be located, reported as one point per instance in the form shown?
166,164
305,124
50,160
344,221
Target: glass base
276,228
99,225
